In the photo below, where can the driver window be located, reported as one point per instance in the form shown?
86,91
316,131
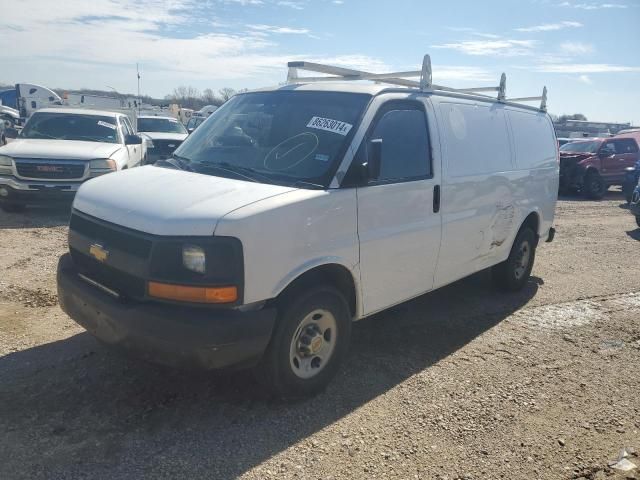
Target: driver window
611,146
405,144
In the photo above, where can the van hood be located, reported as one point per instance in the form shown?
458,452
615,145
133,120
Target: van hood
62,149
163,201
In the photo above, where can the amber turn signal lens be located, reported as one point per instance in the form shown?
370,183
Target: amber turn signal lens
184,293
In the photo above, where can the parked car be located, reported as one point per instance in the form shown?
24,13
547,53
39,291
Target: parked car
194,122
631,179
162,134
293,211
60,148
591,166
3,138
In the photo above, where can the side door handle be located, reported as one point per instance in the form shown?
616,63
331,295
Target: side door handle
436,198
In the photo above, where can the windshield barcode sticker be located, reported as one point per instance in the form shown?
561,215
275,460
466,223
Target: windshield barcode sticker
108,125
335,126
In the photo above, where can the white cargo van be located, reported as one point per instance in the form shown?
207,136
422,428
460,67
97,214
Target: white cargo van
293,211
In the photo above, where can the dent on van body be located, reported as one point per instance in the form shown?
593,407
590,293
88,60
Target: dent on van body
499,165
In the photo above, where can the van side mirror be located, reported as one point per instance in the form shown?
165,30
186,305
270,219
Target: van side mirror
374,159
133,140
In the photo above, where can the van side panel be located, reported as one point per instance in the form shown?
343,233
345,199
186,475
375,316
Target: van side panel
478,192
536,156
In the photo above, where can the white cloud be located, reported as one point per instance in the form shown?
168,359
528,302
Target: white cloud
585,79
499,47
576,48
584,68
291,4
338,2
276,29
452,73
244,3
592,6
550,27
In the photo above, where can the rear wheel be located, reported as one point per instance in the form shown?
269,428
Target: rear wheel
310,341
594,186
512,274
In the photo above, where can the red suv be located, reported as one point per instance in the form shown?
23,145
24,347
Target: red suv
591,166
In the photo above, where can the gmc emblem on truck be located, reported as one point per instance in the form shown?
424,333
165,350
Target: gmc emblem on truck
49,168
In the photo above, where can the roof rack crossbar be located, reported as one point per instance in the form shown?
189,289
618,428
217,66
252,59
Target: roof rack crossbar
425,82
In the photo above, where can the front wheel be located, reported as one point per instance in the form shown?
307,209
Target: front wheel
594,186
512,274
309,342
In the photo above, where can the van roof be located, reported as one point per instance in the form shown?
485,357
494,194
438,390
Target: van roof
80,111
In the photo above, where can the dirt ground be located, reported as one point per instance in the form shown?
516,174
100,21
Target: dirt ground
464,382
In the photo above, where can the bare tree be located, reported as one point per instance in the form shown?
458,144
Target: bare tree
186,96
226,93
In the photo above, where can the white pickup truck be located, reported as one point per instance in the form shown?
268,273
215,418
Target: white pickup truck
60,148
295,210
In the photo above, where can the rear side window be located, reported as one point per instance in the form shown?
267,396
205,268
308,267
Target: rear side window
475,139
405,144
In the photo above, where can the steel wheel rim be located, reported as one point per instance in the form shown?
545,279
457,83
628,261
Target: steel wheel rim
522,260
313,343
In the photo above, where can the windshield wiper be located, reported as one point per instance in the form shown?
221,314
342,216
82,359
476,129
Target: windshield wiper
244,172
175,161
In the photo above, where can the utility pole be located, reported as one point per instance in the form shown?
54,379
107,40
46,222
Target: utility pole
138,72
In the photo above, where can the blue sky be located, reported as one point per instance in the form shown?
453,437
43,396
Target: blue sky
585,52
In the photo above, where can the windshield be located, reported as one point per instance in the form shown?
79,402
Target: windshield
283,137
580,147
162,125
194,122
71,126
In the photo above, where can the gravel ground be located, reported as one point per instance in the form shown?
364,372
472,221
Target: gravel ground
464,382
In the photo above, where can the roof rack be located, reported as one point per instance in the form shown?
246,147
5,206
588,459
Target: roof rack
403,79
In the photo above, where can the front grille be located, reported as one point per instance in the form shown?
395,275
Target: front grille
118,281
116,237
50,169
161,147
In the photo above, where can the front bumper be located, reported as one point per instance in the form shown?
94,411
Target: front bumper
175,335
31,192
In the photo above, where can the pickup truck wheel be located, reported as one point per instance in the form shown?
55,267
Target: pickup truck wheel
512,274
594,186
310,341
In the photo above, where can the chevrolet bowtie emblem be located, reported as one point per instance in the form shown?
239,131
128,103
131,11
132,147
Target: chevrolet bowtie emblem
98,252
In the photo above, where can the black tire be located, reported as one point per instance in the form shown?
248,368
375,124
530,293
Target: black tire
277,370
510,275
13,207
594,186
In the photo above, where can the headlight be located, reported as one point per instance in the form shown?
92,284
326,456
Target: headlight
194,258
6,164
102,166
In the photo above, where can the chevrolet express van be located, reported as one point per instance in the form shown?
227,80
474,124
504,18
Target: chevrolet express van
293,211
